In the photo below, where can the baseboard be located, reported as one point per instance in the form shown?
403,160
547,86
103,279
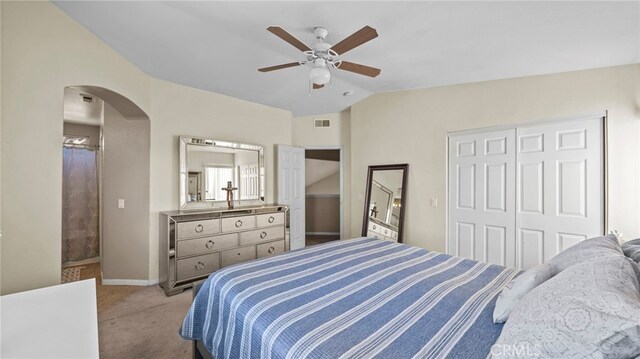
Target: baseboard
322,233
82,262
136,282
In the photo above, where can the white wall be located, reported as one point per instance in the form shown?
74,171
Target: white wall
415,123
44,51
339,134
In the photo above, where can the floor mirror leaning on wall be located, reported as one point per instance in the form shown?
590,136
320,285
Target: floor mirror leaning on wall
384,202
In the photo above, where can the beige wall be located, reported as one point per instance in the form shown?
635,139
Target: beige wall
125,175
339,134
327,185
414,124
179,110
44,51
322,214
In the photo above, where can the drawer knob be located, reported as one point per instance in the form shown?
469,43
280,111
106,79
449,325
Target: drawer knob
238,223
263,234
374,226
199,265
271,219
239,253
209,244
271,249
385,231
199,228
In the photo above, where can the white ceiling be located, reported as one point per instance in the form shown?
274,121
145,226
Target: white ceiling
218,46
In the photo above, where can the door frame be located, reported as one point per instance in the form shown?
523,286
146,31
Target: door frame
604,115
341,149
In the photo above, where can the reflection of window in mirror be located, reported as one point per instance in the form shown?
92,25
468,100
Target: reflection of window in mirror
195,186
215,178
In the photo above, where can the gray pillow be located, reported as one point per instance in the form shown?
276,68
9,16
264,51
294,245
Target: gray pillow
631,249
586,251
513,292
589,310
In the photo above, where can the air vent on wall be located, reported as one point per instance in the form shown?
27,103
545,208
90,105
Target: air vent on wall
86,98
322,123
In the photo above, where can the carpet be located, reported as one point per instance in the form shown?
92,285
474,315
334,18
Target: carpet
70,274
145,325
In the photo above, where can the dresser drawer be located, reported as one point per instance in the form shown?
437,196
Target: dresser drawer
234,224
197,266
238,255
261,235
385,231
270,249
207,244
198,228
394,235
271,219
372,234
374,227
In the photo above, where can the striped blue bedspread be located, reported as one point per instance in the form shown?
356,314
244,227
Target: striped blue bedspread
359,298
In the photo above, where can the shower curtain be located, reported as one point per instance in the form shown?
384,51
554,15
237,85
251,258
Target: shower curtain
80,235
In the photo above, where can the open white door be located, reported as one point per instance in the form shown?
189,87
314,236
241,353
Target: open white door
291,191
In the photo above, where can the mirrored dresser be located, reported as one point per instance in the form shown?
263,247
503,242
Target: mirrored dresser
196,244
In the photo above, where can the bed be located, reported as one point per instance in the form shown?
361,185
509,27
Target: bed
358,298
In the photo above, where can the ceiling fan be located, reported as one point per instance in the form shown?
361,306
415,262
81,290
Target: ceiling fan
324,56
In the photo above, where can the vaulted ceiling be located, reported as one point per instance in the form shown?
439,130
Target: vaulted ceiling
218,46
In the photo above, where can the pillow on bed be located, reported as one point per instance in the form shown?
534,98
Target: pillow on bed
586,251
591,309
518,287
631,249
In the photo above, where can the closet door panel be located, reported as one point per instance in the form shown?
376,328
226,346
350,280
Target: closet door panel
560,187
482,197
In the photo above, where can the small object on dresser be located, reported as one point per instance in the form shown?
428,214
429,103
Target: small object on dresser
229,190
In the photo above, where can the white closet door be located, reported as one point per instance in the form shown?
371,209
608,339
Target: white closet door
482,196
559,188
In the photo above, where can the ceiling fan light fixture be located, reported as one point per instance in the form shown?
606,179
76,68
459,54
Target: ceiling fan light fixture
320,75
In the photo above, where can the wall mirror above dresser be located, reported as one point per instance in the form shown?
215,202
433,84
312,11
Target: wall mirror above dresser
384,202
207,166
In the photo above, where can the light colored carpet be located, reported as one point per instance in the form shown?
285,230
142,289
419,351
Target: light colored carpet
145,324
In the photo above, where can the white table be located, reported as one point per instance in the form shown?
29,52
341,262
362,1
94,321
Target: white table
53,322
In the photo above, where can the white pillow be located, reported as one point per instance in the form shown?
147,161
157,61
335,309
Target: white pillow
589,310
518,287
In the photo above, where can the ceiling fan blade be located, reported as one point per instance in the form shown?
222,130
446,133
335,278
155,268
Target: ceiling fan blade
278,67
316,86
358,38
281,33
359,69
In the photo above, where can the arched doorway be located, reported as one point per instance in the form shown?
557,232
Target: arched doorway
105,209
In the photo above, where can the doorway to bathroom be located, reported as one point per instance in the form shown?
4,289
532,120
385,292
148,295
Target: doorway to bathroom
81,179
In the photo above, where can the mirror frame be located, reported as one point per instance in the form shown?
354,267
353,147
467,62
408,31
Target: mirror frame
183,171
365,218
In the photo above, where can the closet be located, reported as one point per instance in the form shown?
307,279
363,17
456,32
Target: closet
517,196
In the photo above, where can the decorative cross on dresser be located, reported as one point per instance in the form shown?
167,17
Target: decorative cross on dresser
229,190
